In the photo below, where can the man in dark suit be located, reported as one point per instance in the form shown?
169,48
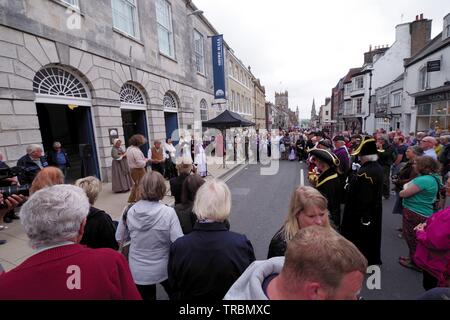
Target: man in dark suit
362,220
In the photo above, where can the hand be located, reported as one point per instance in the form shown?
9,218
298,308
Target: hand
10,202
14,181
420,227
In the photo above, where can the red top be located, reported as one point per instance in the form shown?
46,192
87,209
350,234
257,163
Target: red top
70,272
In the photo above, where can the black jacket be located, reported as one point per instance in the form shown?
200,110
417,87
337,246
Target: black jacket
204,264
362,219
387,158
52,155
100,231
186,216
278,245
31,168
176,185
330,186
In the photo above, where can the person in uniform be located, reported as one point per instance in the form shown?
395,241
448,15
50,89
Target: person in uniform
329,183
361,223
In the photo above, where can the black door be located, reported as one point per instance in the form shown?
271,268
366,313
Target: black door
74,129
135,122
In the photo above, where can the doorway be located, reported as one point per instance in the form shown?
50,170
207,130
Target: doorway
73,128
135,122
171,121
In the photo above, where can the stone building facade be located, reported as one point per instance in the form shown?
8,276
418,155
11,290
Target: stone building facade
78,71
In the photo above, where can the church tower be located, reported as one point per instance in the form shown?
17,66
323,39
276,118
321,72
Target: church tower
313,110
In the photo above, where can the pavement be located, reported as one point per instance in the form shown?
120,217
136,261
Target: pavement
17,250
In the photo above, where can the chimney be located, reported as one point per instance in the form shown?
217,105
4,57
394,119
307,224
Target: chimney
420,31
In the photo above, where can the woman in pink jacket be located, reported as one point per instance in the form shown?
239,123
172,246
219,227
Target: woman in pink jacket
433,250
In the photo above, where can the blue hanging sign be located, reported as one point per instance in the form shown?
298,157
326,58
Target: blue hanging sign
218,67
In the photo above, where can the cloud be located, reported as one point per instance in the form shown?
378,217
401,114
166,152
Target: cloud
307,46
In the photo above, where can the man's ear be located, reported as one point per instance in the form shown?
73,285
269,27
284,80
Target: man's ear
314,291
81,231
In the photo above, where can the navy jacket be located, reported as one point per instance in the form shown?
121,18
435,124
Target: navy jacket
204,264
31,168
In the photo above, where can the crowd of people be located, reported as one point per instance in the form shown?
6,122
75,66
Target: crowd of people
356,172
321,251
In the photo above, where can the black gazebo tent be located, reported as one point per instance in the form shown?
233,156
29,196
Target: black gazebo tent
227,120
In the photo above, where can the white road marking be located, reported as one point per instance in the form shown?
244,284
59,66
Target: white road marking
302,178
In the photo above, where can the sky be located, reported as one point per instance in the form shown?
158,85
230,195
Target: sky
306,46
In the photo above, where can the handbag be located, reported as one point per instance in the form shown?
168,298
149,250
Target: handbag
437,205
124,245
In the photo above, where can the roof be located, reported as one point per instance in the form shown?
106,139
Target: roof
351,73
228,119
433,46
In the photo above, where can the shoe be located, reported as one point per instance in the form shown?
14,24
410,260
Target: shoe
407,263
15,217
7,220
3,242
399,229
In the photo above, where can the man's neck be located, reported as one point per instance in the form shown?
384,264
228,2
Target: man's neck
276,290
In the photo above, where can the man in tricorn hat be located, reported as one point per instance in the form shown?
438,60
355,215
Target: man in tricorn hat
361,221
329,182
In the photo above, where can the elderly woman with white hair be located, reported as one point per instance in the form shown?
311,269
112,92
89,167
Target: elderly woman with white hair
152,227
54,219
58,158
100,231
120,172
33,162
204,264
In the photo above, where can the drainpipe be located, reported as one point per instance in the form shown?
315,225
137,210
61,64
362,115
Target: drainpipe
370,101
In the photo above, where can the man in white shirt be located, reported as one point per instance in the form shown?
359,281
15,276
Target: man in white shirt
428,144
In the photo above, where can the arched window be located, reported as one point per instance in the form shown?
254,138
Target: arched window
170,102
131,94
55,81
203,110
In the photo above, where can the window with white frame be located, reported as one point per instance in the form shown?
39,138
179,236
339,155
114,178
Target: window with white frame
358,83
199,52
396,99
357,105
238,103
124,14
165,28
232,100
347,89
204,110
73,3
423,78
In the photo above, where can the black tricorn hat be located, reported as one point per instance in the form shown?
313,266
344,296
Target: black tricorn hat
368,146
326,156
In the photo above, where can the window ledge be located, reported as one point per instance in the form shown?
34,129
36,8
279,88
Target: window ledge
68,6
202,75
126,35
167,57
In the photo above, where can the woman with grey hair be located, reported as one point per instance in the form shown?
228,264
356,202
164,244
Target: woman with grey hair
61,269
58,158
100,230
152,227
216,257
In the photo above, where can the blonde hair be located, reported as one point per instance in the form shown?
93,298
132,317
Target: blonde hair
302,199
91,186
213,201
47,177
